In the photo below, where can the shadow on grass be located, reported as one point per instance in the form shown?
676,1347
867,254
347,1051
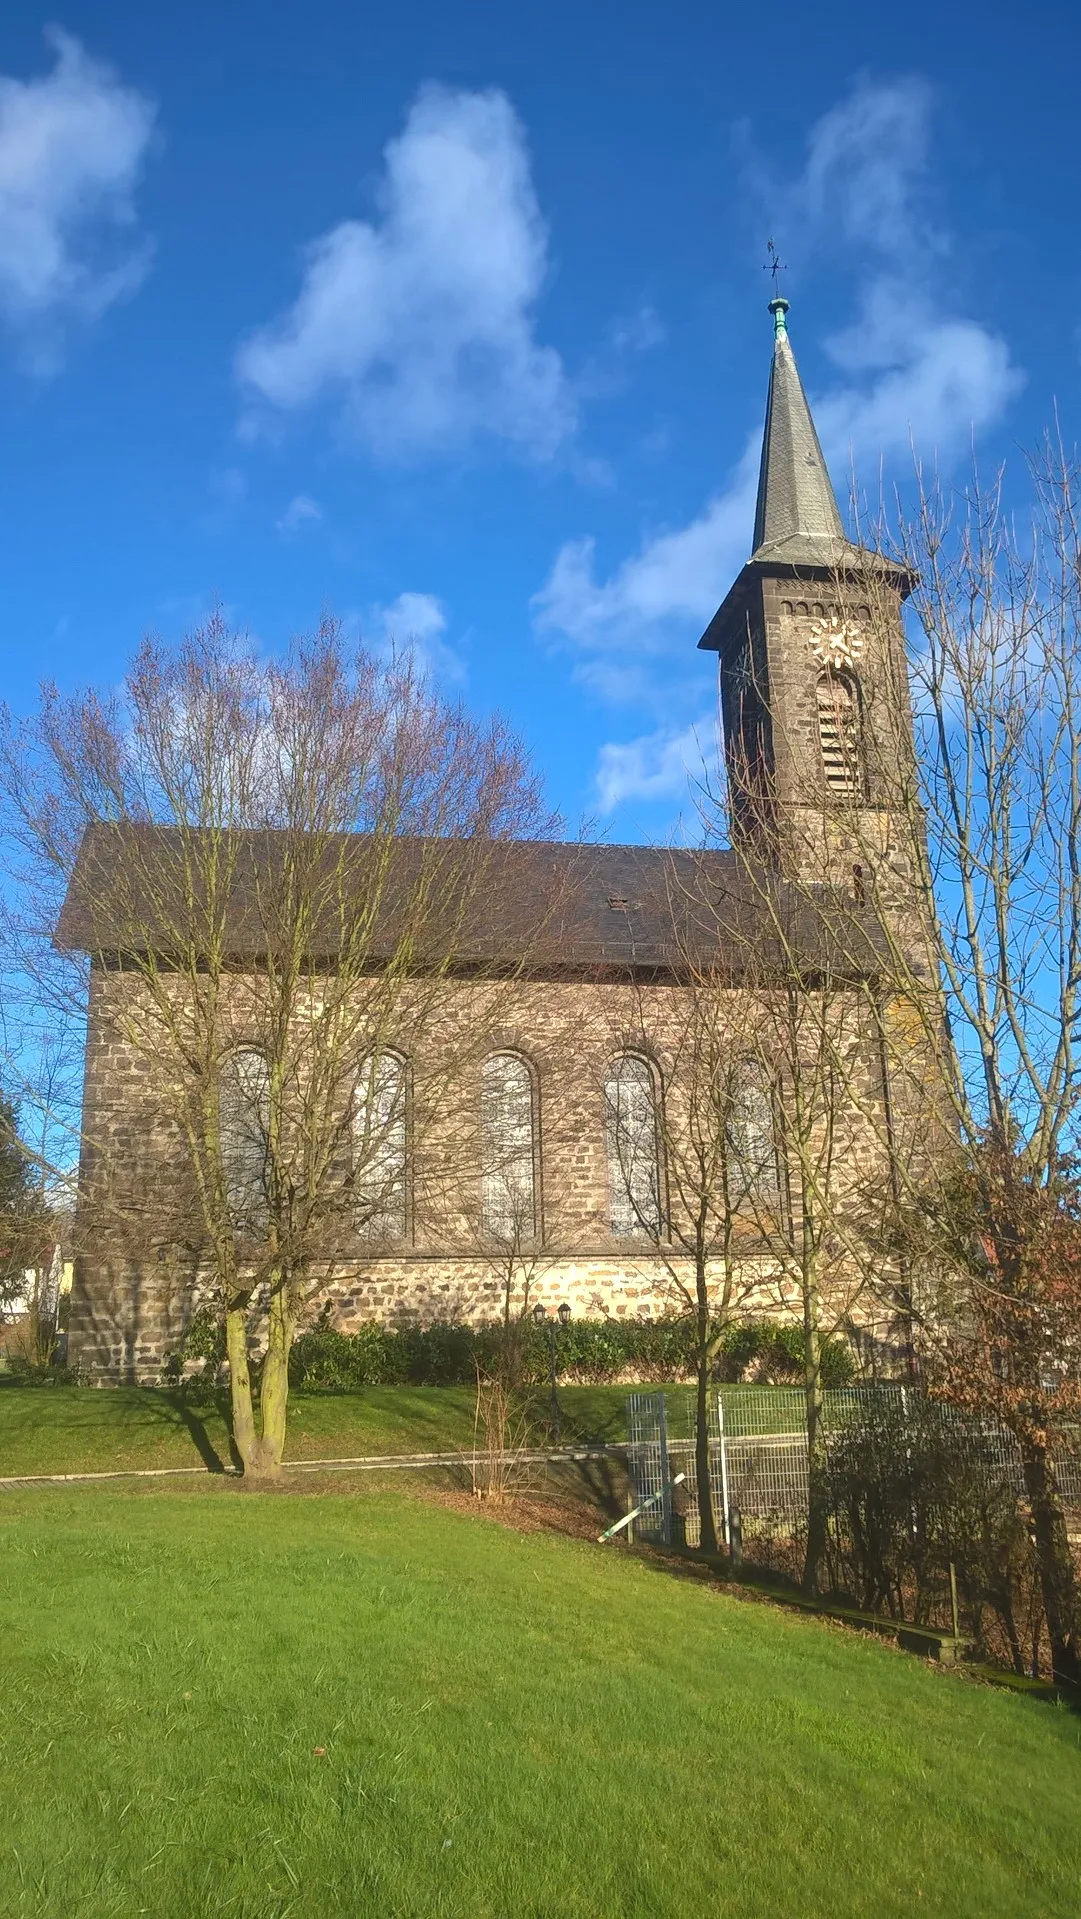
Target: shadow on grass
178,1410
90,1425
760,1585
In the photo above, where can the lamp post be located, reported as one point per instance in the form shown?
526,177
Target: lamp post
540,1315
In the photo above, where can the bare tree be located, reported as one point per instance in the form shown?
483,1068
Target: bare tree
957,844
990,806
689,1163
797,1110
277,872
28,1289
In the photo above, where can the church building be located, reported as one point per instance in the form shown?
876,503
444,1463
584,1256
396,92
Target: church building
566,1188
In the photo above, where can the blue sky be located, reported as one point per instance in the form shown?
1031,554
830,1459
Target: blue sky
451,321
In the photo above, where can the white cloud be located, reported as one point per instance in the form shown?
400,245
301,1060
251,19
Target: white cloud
301,511
415,623
72,146
658,766
910,375
637,332
864,183
676,580
421,323
954,379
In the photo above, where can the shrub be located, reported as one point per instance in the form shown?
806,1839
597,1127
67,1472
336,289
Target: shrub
27,1372
589,1352
913,1487
205,1340
772,1353
340,1362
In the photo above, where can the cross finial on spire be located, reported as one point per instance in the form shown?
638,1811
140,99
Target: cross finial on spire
778,306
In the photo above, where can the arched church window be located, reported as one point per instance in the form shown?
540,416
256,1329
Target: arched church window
379,1143
508,1150
839,733
750,1136
244,1121
630,1101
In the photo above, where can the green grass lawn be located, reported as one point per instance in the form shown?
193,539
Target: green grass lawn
217,1703
72,1429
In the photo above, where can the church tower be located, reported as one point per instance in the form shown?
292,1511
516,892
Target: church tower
814,690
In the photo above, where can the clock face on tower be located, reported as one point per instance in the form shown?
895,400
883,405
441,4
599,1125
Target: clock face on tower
836,642
742,674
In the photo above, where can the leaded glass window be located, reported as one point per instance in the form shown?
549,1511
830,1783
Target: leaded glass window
508,1150
630,1101
380,1170
751,1137
244,1108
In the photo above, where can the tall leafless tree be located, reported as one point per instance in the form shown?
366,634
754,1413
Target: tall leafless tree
278,872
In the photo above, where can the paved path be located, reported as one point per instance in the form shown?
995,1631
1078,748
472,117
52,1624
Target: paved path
366,1463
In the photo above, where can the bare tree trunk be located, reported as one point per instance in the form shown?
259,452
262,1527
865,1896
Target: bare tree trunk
274,1387
707,1536
236,1347
812,1390
1058,1578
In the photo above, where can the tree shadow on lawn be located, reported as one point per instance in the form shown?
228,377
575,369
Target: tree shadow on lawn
574,1499
177,1410
124,1413
760,1586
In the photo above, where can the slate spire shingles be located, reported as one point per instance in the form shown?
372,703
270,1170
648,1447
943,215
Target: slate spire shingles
796,514
798,529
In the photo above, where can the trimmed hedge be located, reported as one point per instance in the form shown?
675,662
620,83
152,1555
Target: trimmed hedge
590,1352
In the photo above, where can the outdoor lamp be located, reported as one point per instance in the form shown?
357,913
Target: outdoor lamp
564,1312
539,1315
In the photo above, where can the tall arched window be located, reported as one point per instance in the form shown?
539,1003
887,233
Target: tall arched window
750,1135
839,733
380,1170
508,1150
630,1101
244,1117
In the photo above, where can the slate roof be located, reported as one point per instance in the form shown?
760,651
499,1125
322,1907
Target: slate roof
554,906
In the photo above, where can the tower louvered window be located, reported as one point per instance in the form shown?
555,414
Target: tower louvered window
508,1195
379,1147
839,734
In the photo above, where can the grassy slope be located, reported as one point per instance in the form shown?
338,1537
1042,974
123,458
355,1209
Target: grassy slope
513,1726
70,1429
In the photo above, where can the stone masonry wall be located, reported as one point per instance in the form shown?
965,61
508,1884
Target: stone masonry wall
139,1266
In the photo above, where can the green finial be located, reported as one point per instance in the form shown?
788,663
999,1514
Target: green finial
779,307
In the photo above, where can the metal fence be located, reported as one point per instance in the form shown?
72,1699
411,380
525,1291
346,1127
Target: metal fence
758,1454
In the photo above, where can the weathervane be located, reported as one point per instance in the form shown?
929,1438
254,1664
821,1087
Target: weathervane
774,265
778,306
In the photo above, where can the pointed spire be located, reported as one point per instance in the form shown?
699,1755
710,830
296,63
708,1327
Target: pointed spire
797,517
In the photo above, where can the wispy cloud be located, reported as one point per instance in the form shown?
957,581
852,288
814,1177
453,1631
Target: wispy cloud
658,766
674,582
72,148
301,511
415,623
910,372
420,325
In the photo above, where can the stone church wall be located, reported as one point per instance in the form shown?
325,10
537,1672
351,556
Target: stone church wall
139,1270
